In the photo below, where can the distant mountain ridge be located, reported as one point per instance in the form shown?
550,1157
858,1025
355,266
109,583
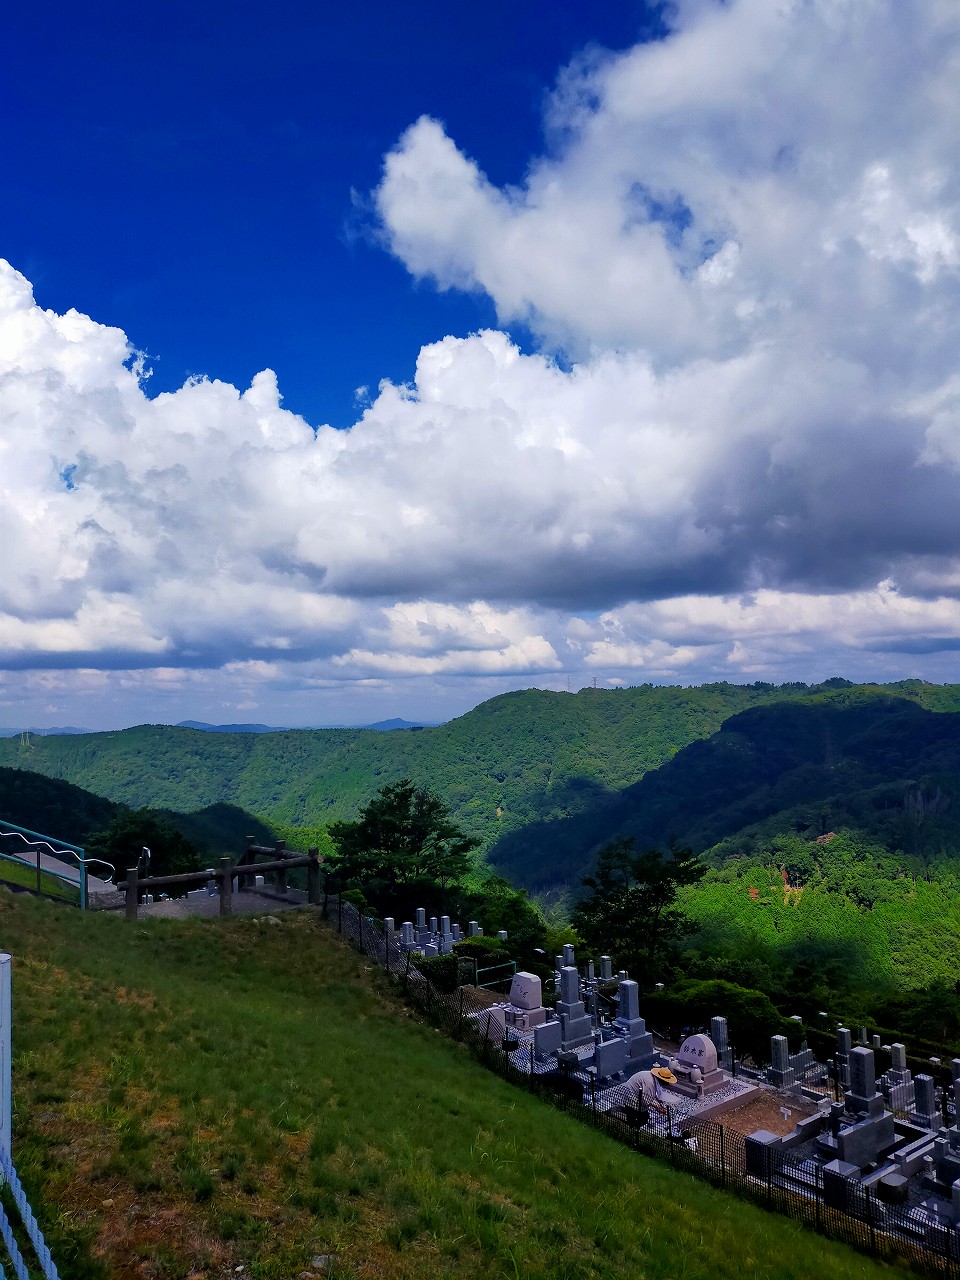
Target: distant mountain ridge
531,762
54,732
395,723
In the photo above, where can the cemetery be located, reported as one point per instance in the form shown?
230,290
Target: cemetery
884,1148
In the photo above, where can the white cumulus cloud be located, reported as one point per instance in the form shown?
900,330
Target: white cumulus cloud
737,447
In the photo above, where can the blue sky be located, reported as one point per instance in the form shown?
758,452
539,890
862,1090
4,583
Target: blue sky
197,174
656,309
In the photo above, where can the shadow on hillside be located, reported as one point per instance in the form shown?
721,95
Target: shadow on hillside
555,853
220,828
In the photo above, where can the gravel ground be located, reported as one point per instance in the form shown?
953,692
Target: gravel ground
245,903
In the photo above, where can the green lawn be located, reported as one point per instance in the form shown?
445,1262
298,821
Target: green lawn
13,871
196,1097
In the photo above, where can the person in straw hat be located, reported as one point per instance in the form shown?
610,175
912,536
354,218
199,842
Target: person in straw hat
644,1091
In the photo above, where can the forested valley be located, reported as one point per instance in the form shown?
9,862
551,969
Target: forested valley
821,824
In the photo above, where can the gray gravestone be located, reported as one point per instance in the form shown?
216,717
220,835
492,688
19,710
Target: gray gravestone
863,1076
606,968
628,1001
568,953
421,918
526,991
842,1055
697,1061
547,1039
780,1073
577,1026
406,931
569,984
925,1110
496,1024
610,1058
720,1037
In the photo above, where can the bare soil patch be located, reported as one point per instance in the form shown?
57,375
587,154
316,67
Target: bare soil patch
764,1112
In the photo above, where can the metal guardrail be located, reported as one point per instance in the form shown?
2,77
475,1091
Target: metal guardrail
37,842
506,970
8,1172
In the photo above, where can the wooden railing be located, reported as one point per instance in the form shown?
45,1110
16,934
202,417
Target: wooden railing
224,875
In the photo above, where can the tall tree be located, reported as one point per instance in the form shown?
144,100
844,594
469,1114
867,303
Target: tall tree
632,910
130,832
404,836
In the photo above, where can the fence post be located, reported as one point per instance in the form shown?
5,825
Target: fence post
84,886
6,1096
38,869
340,909
816,1195
225,876
873,1228
132,892
281,876
460,1017
313,876
723,1156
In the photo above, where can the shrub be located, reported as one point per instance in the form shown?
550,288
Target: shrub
442,971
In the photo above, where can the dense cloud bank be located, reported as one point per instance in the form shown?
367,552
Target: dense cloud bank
743,242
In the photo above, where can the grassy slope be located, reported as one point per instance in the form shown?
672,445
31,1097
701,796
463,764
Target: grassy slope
196,1096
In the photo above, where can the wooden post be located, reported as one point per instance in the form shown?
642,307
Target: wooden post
132,892
246,858
225,876
313,876
281,875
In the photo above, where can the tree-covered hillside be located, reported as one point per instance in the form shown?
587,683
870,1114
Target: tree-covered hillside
520,759
67,812
866,756
831,829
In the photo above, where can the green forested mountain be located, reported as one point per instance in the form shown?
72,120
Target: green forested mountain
523,758
67,812
831,824
52,807
862,756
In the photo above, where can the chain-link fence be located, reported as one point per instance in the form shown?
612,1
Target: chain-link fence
797,1186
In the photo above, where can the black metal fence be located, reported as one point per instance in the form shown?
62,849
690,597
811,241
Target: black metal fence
773,1178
